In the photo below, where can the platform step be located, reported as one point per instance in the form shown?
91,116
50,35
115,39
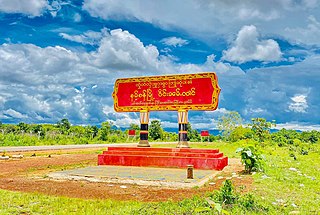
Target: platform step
170,154
162,149
163,157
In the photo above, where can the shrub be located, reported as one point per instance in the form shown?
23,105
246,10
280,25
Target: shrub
247,201
228,198
226,194
251,158
113,139
240,133
250,203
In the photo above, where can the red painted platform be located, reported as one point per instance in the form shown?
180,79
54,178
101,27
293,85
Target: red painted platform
163,157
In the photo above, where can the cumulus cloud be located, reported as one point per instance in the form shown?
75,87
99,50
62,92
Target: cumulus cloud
14,114
88,37
285,91
174,41
165,12
248,47
23,63
264,92
121,119
309,34
299,103
122,50
30,7
298,126
45,84
225,16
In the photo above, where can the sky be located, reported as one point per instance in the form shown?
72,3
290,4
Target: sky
60,59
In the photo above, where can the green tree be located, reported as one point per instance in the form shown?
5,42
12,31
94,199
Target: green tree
170,136
23,127
134,127
240,133
91,131
39,130
104,131
64,126
95,130
1,127
228,122
261,128
155,130
9,128
192,135
310,136
77,131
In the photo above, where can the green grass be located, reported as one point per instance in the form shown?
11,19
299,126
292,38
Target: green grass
228,149
25,203
290,184
287,186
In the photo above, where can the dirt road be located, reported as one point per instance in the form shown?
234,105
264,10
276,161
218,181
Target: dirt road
67,147
29,175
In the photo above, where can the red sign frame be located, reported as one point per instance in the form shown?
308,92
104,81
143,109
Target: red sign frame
205,133
132,132
167,93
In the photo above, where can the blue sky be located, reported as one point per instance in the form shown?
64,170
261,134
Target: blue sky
60,59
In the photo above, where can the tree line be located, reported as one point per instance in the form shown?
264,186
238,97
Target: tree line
231,128
63,132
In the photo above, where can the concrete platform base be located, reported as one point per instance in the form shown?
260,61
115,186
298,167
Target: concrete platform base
166,177
205,159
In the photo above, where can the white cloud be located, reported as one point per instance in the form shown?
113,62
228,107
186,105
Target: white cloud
30,7
14,114
266,92
40,83
285,91
54,8
220,111
19,60
168,124
174,41
122,50
36,103
248,47
50,83
203,19
77,17
299,103
121,119
298,126
309,34
88,37
251,111
165,12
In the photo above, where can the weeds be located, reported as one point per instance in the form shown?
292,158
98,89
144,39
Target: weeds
227,198
251,158
226,194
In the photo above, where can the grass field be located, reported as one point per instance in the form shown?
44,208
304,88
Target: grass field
289,185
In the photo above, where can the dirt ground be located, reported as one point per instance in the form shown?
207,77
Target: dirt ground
29,175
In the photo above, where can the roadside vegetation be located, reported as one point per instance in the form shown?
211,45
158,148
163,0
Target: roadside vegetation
63,133
284,165
286,185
